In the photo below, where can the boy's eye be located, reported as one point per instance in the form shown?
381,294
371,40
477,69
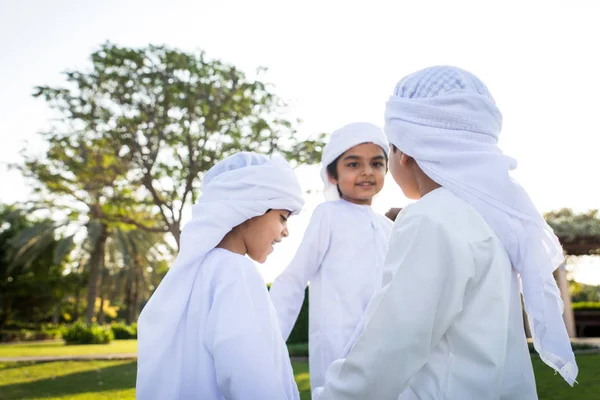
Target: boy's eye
378,164
283,218
353,164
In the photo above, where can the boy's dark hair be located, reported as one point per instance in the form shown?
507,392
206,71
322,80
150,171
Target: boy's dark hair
333,172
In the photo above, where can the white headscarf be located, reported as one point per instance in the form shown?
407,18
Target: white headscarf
236,189
341,141
446,119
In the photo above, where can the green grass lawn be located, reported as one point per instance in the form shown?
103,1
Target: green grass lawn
61,349
115,379
92,380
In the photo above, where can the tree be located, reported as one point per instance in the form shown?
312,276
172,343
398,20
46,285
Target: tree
83,183
579,234
30,285
134,254
173,115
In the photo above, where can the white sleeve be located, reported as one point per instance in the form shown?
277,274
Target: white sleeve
244,362
287,292
425,277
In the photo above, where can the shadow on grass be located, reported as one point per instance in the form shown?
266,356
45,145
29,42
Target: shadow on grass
12,365
114,377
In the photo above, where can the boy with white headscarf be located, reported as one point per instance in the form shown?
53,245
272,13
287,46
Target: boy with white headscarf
448,324
210,331
343,248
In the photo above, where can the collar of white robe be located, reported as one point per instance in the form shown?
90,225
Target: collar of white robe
446,119
236,189
344,139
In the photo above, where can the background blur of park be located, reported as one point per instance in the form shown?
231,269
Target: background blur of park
111,112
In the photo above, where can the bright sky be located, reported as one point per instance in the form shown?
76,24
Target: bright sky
336,62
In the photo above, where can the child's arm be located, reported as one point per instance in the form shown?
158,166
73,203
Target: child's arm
236,337
287,292
426,273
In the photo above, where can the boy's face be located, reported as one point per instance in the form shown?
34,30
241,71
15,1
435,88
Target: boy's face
263,232
401,167
360,173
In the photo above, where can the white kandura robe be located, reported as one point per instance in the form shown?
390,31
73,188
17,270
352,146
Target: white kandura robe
341,255
447,324
233,346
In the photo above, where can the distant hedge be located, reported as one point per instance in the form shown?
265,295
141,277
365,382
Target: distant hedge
586,306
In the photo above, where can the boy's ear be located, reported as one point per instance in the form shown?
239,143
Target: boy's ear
331,179
405,159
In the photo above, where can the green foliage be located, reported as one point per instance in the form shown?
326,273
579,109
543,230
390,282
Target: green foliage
571,226
24,335
132,138
30,282
22,332
299,333
163,117
298,349
587,306
578,233
582,292
80,333
123,331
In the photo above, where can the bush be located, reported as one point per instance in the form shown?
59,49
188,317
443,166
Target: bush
52,331
298,349
586,306
24,335
79,333
299,333
122,331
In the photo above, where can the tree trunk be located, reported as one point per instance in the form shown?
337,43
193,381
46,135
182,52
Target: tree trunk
77,303
134,280
104,287
100,318
7,310
96,267
176,232
135,300
56,314
128,295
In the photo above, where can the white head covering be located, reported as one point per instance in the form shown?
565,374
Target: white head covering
236,189
446,119
341,141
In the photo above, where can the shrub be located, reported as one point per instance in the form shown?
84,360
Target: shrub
299,333
586,306
298,349
24,335
79,333
122,331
